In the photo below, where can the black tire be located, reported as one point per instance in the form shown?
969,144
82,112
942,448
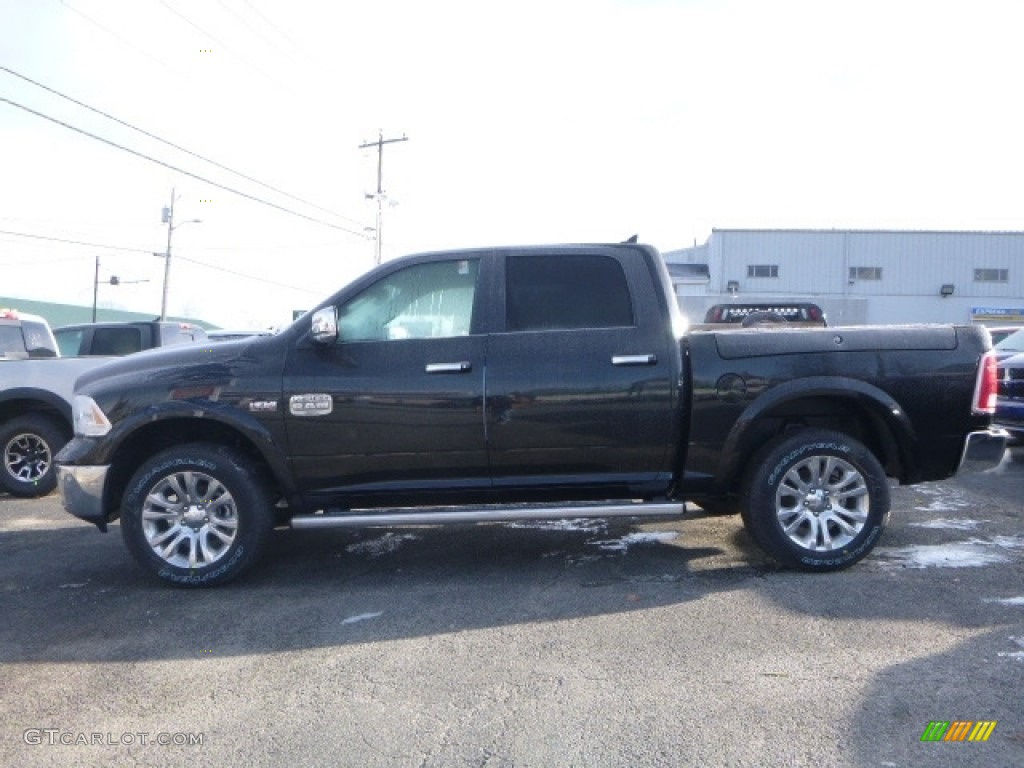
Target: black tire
197,515
29,445
816,500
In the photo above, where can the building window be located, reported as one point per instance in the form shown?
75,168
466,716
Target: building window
762,270
865,273
991,275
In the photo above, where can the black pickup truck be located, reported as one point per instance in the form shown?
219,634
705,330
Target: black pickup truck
521,383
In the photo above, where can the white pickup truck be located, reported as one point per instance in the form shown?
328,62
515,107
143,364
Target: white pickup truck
36,386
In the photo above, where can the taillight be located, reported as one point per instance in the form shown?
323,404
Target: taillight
986,388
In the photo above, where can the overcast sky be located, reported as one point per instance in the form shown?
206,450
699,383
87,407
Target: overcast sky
527,122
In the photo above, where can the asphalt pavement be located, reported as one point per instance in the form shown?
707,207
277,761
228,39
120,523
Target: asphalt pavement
588,643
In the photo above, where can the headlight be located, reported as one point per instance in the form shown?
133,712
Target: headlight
90,421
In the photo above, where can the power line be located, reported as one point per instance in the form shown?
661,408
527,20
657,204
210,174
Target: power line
182,170
242,59
294,44
149,251
170,143
75,242
250,277
135,48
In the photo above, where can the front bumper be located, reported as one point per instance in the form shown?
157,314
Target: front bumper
983,450
81,492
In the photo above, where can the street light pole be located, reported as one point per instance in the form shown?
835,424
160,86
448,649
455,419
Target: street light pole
95,288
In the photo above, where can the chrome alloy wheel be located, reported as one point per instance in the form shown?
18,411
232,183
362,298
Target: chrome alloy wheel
822,503
189,519
27,457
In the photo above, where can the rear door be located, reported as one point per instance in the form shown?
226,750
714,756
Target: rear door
581,378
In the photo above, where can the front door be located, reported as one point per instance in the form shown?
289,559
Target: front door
397,403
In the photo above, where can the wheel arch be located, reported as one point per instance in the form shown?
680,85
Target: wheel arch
850,406
154,436
22,401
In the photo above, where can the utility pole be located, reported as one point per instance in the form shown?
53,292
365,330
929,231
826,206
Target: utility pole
168,219
379,196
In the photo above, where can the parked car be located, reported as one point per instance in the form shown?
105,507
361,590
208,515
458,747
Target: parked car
546,382
124,338
745,315
1010,399
35,402
1010,345
1000,332
23,336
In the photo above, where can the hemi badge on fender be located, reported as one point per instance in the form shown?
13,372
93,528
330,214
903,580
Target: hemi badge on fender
258,406
310,405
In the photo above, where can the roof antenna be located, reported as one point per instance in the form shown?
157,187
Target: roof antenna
632,239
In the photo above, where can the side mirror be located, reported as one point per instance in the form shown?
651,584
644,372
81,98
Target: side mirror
325,326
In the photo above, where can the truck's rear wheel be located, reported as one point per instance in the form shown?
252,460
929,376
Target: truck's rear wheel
197,515
29,444
816,500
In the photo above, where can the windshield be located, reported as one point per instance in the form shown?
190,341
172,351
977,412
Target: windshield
1012,343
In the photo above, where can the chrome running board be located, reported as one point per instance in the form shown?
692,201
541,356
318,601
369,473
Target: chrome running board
495,514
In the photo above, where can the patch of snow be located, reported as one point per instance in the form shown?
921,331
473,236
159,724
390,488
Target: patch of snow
362,617
584,524
621,545
967,554
955,525
384,545
1005,600
1016,655
1009,542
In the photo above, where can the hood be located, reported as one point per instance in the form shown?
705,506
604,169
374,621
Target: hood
179,363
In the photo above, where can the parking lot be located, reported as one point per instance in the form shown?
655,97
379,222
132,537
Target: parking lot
582,644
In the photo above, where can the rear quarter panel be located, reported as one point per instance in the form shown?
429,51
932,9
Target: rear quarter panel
906,391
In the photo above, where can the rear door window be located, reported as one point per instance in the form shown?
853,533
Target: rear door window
565,292
116,341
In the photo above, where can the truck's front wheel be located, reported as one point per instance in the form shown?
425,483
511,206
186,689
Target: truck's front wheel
197,515
816,500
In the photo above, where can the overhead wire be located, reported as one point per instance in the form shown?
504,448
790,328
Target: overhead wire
178,147
76,242
249,277
241,58
182,170
177,257
128,43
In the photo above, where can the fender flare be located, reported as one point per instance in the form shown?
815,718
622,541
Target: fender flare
876,400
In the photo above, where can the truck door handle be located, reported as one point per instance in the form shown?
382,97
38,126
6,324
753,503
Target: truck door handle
461,367
634,359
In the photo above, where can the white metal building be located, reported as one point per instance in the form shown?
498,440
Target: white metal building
859,276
